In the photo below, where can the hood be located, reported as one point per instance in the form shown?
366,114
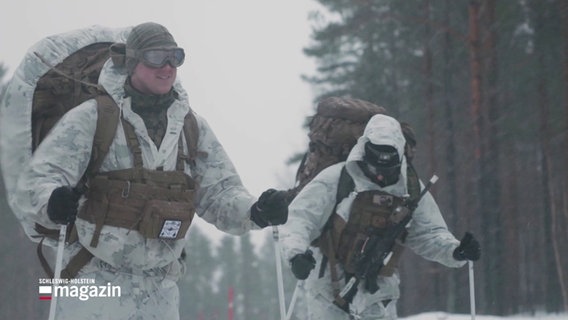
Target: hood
381,130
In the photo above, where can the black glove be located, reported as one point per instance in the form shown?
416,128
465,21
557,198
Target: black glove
270,209
302,264
468,249
62,205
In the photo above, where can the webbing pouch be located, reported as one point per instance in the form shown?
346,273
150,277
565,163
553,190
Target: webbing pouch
167,220
348,251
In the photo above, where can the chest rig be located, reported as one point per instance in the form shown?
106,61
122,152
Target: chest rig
372,213
157,204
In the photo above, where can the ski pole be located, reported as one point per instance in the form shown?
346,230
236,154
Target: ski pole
293,300
471,289
280,278
57,271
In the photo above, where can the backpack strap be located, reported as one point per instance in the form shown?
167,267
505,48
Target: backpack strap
325,241
133,144
191,133
76,263
108,115
344,187
107,122
70,237
412,181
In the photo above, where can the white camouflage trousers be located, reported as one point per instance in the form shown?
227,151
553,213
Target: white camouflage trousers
143,296
317,307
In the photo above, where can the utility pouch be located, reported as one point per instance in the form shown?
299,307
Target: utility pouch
167,220
350,250
372,214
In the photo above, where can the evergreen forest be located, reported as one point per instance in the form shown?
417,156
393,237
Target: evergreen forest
484,84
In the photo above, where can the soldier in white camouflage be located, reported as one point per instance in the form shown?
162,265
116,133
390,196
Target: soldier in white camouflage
131,218
328,233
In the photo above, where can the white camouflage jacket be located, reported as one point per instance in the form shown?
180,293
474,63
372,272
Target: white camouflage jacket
428,234
63,156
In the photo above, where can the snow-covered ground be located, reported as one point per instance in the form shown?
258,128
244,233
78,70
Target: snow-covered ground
448,316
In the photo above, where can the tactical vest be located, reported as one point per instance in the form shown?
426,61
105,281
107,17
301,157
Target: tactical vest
372,214
155,203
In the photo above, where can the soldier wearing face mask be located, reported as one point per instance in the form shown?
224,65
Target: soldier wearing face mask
336,216
381,164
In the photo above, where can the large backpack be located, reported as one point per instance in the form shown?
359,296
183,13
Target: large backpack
333,131
55,75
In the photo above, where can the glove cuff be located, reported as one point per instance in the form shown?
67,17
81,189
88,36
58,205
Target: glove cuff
459,254
256,216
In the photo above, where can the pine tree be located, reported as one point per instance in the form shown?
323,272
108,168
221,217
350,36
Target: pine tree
229,277
196,287
249,292
482,83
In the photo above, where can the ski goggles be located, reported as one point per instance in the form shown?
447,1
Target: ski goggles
157,58
389,173
382,160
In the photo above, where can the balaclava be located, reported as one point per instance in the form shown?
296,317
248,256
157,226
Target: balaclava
381,164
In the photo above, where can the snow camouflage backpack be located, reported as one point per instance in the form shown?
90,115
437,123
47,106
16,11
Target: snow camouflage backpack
57,74
334,130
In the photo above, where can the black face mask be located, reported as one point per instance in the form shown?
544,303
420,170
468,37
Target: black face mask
381,164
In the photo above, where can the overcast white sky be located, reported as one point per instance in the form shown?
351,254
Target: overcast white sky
242,72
